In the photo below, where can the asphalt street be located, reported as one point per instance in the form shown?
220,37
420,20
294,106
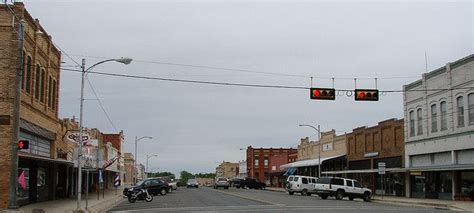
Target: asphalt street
245,200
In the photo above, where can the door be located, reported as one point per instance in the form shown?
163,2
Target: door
349,188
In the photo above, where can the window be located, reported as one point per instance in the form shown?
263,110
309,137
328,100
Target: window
265,162
54,94
357,184
42,86
460,111
296,179
412,123
290,179
349,183
419,120
434,118
324,180
444,121
23,72
50,91
304,180
470,106
313,180
28,75
256,162
337,181
37,82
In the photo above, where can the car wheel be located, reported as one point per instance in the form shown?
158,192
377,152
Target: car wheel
351,198
226,187
339,194
238,187
324,197
367,197
304,192
131,200
291,193
163,191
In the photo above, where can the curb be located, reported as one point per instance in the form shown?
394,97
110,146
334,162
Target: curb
105,206
420,204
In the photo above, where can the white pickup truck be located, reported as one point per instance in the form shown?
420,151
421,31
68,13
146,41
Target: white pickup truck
340,188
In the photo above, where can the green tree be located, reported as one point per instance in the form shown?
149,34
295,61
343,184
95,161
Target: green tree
168,175
185,176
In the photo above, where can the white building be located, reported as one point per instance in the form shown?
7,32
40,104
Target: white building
141,175
243,169
439,132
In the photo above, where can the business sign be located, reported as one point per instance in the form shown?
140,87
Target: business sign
371,154
381,168
74,137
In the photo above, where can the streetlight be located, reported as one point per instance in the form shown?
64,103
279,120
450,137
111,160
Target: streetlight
84,73
319,148
136,157
148,157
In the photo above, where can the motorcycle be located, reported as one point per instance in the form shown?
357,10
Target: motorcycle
139,194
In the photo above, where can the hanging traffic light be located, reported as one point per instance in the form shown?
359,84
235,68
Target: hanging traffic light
23,144
366,95
323,93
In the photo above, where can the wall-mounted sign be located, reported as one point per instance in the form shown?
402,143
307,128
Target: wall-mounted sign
371,154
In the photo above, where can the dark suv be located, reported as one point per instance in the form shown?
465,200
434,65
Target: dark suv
154,186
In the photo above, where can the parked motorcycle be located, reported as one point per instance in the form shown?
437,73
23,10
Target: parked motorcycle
139,194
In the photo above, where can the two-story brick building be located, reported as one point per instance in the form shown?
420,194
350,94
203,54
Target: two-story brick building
258,161
40,165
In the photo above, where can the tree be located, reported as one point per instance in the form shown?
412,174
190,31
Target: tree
185,176
206,175
168,175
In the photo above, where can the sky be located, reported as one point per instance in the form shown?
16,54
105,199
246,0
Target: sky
195,126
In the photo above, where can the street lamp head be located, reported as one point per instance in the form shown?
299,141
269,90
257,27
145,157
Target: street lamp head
124,60
301,125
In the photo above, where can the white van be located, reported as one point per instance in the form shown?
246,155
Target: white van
305,185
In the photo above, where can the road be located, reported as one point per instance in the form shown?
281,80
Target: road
241,200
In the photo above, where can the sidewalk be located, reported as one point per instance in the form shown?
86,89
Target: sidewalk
69,205
434,203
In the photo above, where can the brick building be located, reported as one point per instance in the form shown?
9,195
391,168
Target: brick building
113,148
367,146
39,123
129,167
258,161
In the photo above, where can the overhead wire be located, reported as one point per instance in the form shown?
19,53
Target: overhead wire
101,105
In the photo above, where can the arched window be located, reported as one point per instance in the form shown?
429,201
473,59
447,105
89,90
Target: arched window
28,75
23,72
470,106
50,91
42,85
412,123
444,112
434,118
419,120
460,110
37,81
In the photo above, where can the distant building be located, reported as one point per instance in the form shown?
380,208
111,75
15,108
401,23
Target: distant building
141,172
258,161
242,169
439,132
227,169
129,164
113,145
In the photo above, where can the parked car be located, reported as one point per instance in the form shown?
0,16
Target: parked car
154,186
340,188
171,186
305,185
238,183
221,182
192,183
252,183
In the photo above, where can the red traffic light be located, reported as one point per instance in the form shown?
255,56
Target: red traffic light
323,93
23,144
366,95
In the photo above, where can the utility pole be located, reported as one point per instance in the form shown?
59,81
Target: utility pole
12,201
79,151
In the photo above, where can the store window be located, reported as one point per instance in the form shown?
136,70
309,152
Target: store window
467,184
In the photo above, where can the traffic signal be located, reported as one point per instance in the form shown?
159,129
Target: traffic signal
23,144
366,95
323,93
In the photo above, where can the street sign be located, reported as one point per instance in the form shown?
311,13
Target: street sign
74,137
381,168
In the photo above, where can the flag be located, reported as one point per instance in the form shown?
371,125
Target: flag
109,162
22,180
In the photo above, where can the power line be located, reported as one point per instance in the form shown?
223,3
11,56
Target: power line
248,85
249,71
101,106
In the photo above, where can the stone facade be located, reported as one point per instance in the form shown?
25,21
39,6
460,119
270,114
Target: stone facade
227,169
332,145
39,99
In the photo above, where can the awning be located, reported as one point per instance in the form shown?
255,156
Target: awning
37,130
37,157
290,171
441,168
362,171
305,163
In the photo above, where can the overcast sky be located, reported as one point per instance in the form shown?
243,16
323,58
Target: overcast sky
194,127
